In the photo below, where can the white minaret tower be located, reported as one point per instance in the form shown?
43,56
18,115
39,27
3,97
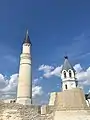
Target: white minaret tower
24,89
68,76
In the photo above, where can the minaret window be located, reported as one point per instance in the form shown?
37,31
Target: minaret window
70,74
65,86
64,74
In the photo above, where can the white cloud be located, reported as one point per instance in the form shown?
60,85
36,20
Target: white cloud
55,72
78,68
36,90
83,76
35,81
8,87
3,82
50,71
12,83
45,68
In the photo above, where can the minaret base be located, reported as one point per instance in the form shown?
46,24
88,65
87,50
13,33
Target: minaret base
24,101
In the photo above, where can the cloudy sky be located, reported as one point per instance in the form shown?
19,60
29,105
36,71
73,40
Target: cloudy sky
56,28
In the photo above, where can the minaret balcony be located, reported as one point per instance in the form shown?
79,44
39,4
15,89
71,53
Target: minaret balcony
25,56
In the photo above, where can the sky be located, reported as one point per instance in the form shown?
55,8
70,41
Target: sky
56,28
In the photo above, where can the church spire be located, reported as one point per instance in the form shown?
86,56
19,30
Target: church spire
27,38
67,65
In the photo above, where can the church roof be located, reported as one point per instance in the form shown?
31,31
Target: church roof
88,97
27,38
67,65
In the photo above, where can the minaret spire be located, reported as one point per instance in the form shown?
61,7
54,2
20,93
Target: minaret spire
27,38
27,32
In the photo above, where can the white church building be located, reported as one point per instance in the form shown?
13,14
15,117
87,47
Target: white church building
68,81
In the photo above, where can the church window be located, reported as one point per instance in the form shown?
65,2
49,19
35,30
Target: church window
70,75
76,83
65,86
64,74
14,101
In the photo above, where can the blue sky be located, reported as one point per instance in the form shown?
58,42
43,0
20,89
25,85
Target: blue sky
56,28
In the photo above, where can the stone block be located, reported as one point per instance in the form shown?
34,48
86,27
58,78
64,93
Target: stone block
43,109
70,99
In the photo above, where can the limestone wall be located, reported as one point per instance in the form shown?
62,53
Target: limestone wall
9,100
71,99
72,115
13,111
52,98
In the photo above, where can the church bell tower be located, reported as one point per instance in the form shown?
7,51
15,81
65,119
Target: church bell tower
68,76
24,89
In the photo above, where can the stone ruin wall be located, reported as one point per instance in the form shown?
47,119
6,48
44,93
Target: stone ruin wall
13,111
66,107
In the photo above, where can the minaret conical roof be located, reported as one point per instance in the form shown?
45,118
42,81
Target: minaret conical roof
27,38
67,65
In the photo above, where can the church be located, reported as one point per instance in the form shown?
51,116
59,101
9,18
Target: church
69,100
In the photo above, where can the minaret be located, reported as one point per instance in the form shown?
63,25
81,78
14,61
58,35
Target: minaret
68,76
24,89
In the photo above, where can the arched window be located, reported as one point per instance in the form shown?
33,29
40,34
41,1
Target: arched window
64,74
14,101
65,86
76,83
70,74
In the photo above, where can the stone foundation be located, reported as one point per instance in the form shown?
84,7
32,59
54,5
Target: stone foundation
24,101
69,99
72,115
